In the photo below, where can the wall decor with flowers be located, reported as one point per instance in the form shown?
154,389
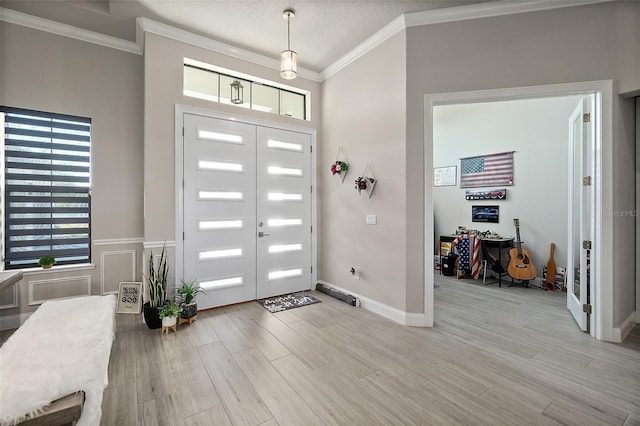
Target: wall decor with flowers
341,166
367,181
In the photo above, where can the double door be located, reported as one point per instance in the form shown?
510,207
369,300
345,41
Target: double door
246,210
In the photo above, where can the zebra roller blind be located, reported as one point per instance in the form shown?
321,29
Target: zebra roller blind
47,203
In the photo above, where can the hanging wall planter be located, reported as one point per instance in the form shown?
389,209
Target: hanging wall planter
341,166
366,182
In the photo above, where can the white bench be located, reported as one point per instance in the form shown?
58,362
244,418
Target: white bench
62,349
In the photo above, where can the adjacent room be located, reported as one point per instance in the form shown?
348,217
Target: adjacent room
286,213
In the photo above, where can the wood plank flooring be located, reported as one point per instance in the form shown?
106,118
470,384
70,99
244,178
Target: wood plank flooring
496,356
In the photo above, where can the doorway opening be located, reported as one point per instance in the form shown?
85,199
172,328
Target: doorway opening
601,316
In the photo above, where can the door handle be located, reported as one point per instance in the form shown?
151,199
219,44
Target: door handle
262,234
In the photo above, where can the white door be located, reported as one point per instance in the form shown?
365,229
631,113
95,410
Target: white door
219,209
284,212
581,214
225,249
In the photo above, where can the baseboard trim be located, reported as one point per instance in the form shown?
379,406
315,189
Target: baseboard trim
620,333
11,322
389,312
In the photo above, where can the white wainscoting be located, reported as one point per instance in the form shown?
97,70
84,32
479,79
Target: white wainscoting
63,288
14,292
115,267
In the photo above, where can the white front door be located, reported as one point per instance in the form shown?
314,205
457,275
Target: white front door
581,217
246,210
284,212
219,209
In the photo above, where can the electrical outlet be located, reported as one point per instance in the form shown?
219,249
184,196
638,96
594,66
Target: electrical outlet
371,219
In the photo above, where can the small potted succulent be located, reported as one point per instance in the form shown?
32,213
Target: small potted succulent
46,262
187,296
169,314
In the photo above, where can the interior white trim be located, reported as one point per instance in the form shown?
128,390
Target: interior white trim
148,25
118,241
180,110
384,34
603,252
53,27
53,281
426,17
389,312
620,333
14,298
103,257
490,9
440,16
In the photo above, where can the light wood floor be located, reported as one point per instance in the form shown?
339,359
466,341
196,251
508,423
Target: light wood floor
496,356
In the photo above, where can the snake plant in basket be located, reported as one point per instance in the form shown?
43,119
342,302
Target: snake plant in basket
157,274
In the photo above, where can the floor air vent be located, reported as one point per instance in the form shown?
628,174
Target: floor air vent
340,295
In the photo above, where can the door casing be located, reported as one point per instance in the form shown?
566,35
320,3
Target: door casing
180,110
603,289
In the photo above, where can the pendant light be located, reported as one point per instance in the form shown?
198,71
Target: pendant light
288,58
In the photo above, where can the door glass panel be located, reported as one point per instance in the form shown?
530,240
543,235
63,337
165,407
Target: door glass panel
219,137
221,283
577,204
284,222
279,196
289,273
219,165
219,195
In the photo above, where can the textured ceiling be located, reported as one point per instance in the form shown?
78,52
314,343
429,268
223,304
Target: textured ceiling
321,32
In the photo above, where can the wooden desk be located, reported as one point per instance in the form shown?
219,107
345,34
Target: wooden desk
500,244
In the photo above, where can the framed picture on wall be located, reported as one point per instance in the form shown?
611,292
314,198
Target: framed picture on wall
485,214
129,298
445,176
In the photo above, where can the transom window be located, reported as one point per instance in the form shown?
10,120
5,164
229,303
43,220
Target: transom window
207,82
46,187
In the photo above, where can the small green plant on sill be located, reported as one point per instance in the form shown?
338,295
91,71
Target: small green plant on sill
170,310
46,261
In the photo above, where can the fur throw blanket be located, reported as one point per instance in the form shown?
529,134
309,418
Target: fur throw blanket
64,347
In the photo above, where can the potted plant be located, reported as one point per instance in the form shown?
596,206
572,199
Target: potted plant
187,296
156,276
169,314
46,262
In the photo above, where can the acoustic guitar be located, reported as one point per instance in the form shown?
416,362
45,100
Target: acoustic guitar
550,281
520,265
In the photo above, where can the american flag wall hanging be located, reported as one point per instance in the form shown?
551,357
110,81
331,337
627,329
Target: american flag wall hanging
486,170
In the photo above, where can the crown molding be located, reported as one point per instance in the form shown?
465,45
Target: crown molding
150,26
388,31
53,27
490,9
439,16
427,17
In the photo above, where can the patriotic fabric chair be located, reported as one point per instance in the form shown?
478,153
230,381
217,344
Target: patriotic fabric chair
468,248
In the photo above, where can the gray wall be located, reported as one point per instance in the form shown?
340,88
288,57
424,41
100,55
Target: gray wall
539,194
47,72
595,42
363,111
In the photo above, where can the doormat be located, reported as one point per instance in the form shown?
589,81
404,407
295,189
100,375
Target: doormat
289,301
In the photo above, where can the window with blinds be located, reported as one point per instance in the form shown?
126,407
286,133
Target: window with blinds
47,202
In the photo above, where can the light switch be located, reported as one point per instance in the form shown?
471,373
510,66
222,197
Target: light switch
372,219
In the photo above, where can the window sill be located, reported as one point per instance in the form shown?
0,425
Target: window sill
54,269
